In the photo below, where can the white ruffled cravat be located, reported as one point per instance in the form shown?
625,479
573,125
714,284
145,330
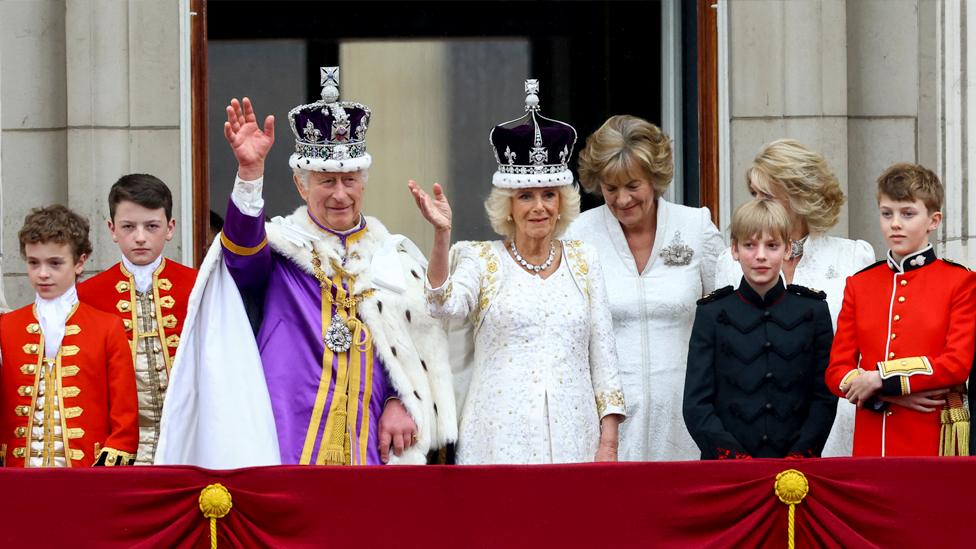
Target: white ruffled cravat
53,314
142,274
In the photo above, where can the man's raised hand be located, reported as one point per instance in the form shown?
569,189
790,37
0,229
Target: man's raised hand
249,142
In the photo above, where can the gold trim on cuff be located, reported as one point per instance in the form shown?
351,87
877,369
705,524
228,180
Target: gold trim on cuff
112,457
849,377
907,366
241,250
613,399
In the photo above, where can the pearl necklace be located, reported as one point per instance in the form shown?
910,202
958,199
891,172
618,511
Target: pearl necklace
535,269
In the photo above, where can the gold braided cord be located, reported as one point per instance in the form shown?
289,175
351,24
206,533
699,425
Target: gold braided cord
791,487
791,528
340,421
215,502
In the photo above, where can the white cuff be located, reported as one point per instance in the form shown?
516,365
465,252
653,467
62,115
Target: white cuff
247,196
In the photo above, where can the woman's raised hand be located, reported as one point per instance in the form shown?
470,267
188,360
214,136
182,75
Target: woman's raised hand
436,210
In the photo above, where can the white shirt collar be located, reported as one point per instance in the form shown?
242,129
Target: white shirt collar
142,274
53,314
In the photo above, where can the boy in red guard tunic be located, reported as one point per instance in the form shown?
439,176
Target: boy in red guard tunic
149,292
905,335
67,390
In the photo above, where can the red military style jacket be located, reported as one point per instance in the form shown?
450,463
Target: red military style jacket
114,291
93,368
915,322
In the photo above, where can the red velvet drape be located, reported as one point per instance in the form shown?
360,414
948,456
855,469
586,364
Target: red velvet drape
893,502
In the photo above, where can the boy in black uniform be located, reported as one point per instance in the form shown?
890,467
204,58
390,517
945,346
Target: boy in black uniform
756,360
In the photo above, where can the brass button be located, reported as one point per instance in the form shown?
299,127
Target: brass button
891,355
893,336
888,413
904,283
897,318
901,299
19,452
20,432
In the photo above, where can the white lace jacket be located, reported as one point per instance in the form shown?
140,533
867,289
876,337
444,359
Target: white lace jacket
544,368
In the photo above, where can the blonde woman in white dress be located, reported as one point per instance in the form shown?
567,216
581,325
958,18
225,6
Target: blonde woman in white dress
801,181
544,386
658,259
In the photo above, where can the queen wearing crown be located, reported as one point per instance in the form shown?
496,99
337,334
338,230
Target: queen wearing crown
347,367
539,383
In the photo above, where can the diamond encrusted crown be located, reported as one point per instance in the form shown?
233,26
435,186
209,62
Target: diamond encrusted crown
330,135
532,151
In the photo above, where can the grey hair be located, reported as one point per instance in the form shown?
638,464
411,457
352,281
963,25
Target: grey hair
498,205
302,175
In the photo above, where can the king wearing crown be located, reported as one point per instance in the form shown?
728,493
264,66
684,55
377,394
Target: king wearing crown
347,368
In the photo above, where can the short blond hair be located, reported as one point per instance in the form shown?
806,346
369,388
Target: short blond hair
498,205
906,182
804,176
624,146
760,216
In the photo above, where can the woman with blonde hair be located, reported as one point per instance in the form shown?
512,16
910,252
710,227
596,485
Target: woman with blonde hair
801,181
543,384
658,260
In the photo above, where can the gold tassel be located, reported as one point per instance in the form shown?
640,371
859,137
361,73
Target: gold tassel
791,487
955,427
945,435
334,446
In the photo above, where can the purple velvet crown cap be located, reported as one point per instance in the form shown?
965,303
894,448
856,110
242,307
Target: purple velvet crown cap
532,151
330,135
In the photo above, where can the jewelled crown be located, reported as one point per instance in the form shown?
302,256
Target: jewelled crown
532,151
330,135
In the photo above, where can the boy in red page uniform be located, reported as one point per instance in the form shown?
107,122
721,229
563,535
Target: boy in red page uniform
905,335
149,292
67,390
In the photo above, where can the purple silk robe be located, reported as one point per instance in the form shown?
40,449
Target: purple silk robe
290,341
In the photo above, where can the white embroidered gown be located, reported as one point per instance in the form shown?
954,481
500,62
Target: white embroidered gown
653,312
544,369
826,263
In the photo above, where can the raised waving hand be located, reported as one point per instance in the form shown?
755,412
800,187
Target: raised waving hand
249,142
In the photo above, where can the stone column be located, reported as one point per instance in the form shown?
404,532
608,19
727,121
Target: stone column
123,106
788,71
33,122
884,90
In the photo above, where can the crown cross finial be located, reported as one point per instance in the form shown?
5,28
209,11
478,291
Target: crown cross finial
329,80
532,94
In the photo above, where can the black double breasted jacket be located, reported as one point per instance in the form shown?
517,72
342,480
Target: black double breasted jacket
755,381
